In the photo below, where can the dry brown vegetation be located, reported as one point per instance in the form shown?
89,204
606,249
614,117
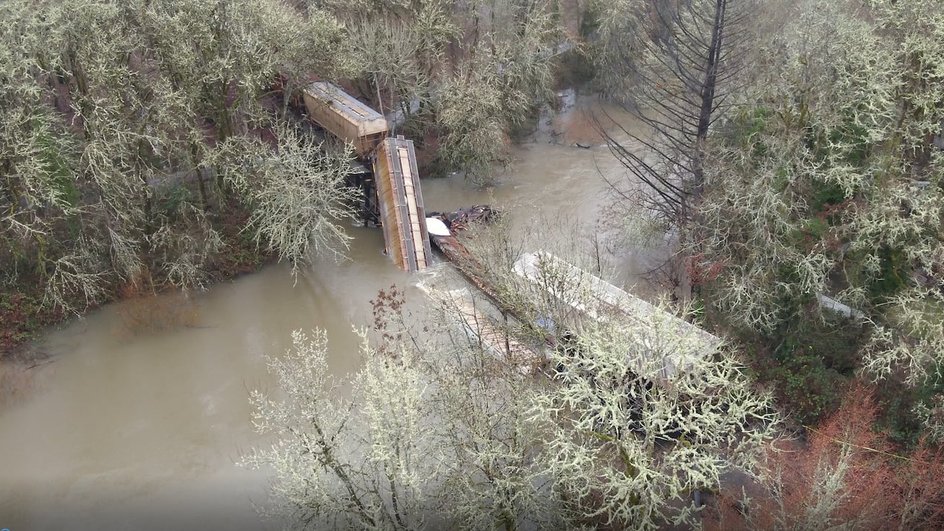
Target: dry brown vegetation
846,474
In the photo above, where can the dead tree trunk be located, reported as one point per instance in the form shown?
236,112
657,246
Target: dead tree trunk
680,73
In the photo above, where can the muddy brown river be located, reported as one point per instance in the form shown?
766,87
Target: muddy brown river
137,419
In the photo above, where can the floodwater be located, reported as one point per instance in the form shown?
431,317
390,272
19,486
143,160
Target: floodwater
139,417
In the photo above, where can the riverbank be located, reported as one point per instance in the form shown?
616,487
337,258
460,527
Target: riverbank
134,413
24,315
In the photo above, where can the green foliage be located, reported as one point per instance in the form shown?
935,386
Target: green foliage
856,141
807,235
54,154
892,275
806,387
813,360
591,21
574,68
754,125
747,125
832,340
825,194
22,316
901,408
826,185
170,199
476,71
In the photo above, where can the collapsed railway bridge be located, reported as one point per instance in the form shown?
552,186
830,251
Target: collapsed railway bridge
387,174
392,194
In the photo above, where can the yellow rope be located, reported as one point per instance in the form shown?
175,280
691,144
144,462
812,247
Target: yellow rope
859,446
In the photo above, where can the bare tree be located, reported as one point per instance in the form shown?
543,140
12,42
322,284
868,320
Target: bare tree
677,74
111,115
462,72
603,439
296,192
37,152
822,205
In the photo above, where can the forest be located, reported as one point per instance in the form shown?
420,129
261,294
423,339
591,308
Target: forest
789,155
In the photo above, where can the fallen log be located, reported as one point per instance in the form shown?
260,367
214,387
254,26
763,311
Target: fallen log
451,246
